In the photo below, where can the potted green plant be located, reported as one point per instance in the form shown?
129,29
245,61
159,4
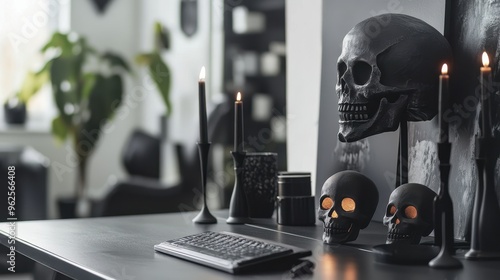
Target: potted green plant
86,96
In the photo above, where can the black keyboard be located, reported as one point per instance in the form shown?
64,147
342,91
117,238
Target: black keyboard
226,251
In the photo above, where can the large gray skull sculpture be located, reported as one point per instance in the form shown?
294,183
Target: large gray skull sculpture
388,72
409,214
347,204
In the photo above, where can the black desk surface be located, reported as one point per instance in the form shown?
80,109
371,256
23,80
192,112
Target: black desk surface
122,248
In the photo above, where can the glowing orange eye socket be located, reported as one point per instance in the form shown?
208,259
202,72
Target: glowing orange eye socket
326,203
348,204
392,210
411,212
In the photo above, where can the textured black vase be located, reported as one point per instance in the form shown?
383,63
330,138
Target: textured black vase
260,182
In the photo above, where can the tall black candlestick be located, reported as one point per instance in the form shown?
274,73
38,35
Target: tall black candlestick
443,214
444,101
204,217
443,205
238,124
238,211
202,107
485,242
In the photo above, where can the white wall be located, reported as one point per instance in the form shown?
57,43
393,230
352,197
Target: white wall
303,40
185,58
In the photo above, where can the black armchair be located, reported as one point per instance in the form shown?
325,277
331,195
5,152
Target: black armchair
141,156
143,193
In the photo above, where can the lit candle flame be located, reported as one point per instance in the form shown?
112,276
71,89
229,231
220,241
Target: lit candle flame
486,60
238,96
202,74
444,69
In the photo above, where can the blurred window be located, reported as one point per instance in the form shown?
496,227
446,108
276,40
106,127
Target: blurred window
25,26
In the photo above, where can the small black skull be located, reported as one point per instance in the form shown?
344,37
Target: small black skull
387,72
347,204
409,214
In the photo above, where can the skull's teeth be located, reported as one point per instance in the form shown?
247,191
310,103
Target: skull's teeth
352,108
350,117
353,112
336,229
396,234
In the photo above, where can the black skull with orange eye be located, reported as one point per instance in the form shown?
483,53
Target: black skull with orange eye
347,204
409,214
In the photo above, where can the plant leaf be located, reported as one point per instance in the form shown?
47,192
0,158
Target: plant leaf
160,73
116,60
162,37
62,72
59,129
88,85
60,41
143,59
32,84
104,99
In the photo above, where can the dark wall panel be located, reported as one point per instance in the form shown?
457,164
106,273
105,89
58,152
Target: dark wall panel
474,27
375,156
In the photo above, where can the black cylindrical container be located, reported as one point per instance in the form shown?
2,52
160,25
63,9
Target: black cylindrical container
295,205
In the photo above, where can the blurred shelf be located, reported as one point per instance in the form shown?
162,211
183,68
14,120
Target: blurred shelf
263,6
28,128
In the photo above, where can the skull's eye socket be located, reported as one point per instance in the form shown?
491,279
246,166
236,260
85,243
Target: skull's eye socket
391,210
341,68
326,203
348,204
411,212
361,72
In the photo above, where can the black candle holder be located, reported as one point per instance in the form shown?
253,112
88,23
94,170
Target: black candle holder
402,165
238,207
485,241
443,215
474,244
204,217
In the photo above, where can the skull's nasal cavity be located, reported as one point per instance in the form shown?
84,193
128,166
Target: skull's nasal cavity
334,214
